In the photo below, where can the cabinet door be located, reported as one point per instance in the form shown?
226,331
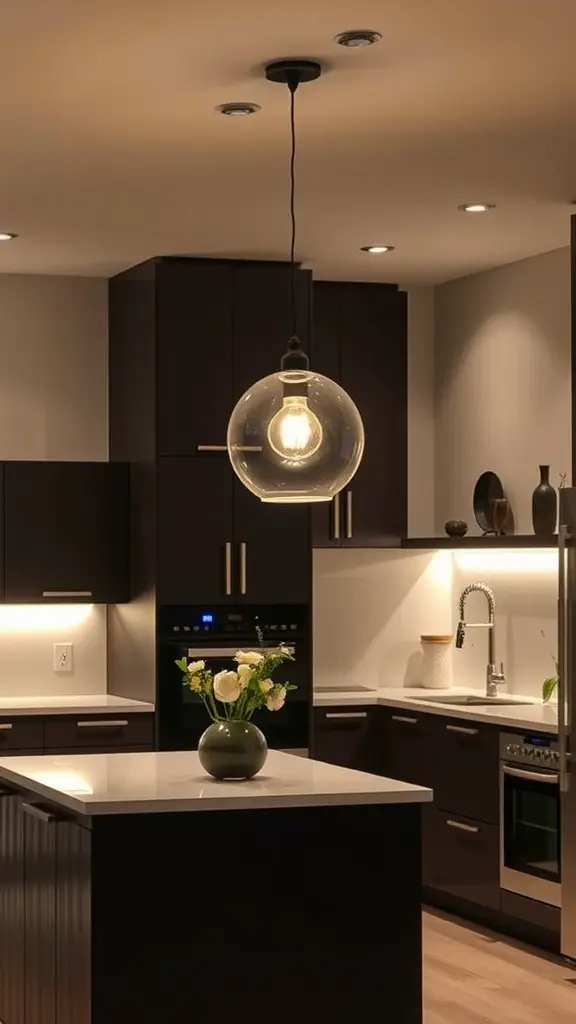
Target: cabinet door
195,530
262,319
467,769
462,858
348,736
409,747
65,531
40,916
327,531
273,555
374,372
12,911
194,345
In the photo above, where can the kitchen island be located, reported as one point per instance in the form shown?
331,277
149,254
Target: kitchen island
135,888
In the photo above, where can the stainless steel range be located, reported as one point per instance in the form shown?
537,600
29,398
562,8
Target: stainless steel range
530,840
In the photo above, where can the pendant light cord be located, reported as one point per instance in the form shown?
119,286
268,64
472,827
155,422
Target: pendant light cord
293,85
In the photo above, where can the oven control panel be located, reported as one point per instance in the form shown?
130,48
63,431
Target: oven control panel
209,621
529,749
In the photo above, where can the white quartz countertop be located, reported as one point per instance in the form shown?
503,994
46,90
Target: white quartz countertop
75,704
533,715
98,784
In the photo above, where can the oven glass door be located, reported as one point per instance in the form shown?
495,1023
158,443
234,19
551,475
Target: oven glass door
531,822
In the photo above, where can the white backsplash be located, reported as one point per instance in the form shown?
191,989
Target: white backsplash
370,608
27,637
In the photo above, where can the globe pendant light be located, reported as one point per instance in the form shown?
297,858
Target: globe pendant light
295,436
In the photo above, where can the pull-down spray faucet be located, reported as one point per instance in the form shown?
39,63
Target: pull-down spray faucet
493,677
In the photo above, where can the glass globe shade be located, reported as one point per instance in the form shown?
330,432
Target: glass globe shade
295,436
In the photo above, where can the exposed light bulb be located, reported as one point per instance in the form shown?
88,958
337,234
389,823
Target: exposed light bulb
295,432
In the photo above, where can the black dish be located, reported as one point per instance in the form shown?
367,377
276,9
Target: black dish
488,488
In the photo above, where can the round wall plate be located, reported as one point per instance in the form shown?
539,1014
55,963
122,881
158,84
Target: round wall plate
488,488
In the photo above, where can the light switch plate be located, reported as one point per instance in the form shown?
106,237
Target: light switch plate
63,657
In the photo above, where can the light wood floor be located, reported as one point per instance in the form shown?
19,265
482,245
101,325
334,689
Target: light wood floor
472,976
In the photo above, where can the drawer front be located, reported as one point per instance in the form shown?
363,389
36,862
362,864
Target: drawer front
347,736
96,732
467,769
20,733
461,857
409,748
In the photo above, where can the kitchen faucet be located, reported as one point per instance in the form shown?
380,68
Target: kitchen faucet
493,677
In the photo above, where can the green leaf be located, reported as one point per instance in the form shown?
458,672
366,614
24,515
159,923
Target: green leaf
182,664
548,687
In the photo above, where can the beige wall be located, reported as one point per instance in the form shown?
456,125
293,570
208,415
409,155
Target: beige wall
502,383
53,367
53,405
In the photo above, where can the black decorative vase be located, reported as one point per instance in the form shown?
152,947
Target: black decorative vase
544,506
232,750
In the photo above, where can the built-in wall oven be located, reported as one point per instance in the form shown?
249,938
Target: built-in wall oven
214,634
530,839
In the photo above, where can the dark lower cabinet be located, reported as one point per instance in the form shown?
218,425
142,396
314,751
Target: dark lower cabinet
409,747
12,911
39,915
461,858
467,768
349,737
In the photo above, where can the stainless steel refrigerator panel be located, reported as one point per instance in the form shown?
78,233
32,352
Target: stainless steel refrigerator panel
566,711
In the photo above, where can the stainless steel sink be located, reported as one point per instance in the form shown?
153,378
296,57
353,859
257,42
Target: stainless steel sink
469,700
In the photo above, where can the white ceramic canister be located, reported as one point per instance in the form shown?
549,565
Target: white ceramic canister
437,661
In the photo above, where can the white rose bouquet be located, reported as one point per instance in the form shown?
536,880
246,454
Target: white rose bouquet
236,695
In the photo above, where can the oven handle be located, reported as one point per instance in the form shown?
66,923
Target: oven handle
520,773
231,652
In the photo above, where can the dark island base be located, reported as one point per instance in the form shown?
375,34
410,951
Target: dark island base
297,915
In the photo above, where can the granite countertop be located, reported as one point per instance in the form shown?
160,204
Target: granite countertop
141,783
534,715
73,704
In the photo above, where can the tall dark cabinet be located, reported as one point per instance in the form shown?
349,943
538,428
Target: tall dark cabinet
360,339
187,338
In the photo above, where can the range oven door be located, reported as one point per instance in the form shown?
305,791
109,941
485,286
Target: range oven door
530,844
183,718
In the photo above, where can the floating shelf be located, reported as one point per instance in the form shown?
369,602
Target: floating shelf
478,543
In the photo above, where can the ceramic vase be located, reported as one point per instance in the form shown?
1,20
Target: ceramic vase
232,750
544,505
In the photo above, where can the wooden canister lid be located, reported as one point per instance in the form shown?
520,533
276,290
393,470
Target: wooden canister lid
436,638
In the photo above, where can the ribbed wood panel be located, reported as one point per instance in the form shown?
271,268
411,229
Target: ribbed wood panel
40,915
73,925
12,1005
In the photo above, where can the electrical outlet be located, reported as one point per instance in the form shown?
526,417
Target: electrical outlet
63,655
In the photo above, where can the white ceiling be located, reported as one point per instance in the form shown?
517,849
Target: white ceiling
112,151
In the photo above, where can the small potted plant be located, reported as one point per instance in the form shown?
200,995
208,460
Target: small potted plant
233,747
551,682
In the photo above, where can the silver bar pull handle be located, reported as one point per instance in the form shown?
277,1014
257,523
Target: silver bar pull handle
6,726
228,569
343,715
404,720
460,825
243,573
38,812
336,510
562,660
224,447
231,652
66,593
551,778
462,729
105,723
349,500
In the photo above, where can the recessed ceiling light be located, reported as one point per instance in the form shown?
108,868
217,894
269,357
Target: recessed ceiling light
476,207
7,236
359,37
238,109
376,248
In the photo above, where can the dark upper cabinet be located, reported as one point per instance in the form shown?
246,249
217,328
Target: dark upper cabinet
221,325
195,530
220,544
65,531
273,551
360,340
194,319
